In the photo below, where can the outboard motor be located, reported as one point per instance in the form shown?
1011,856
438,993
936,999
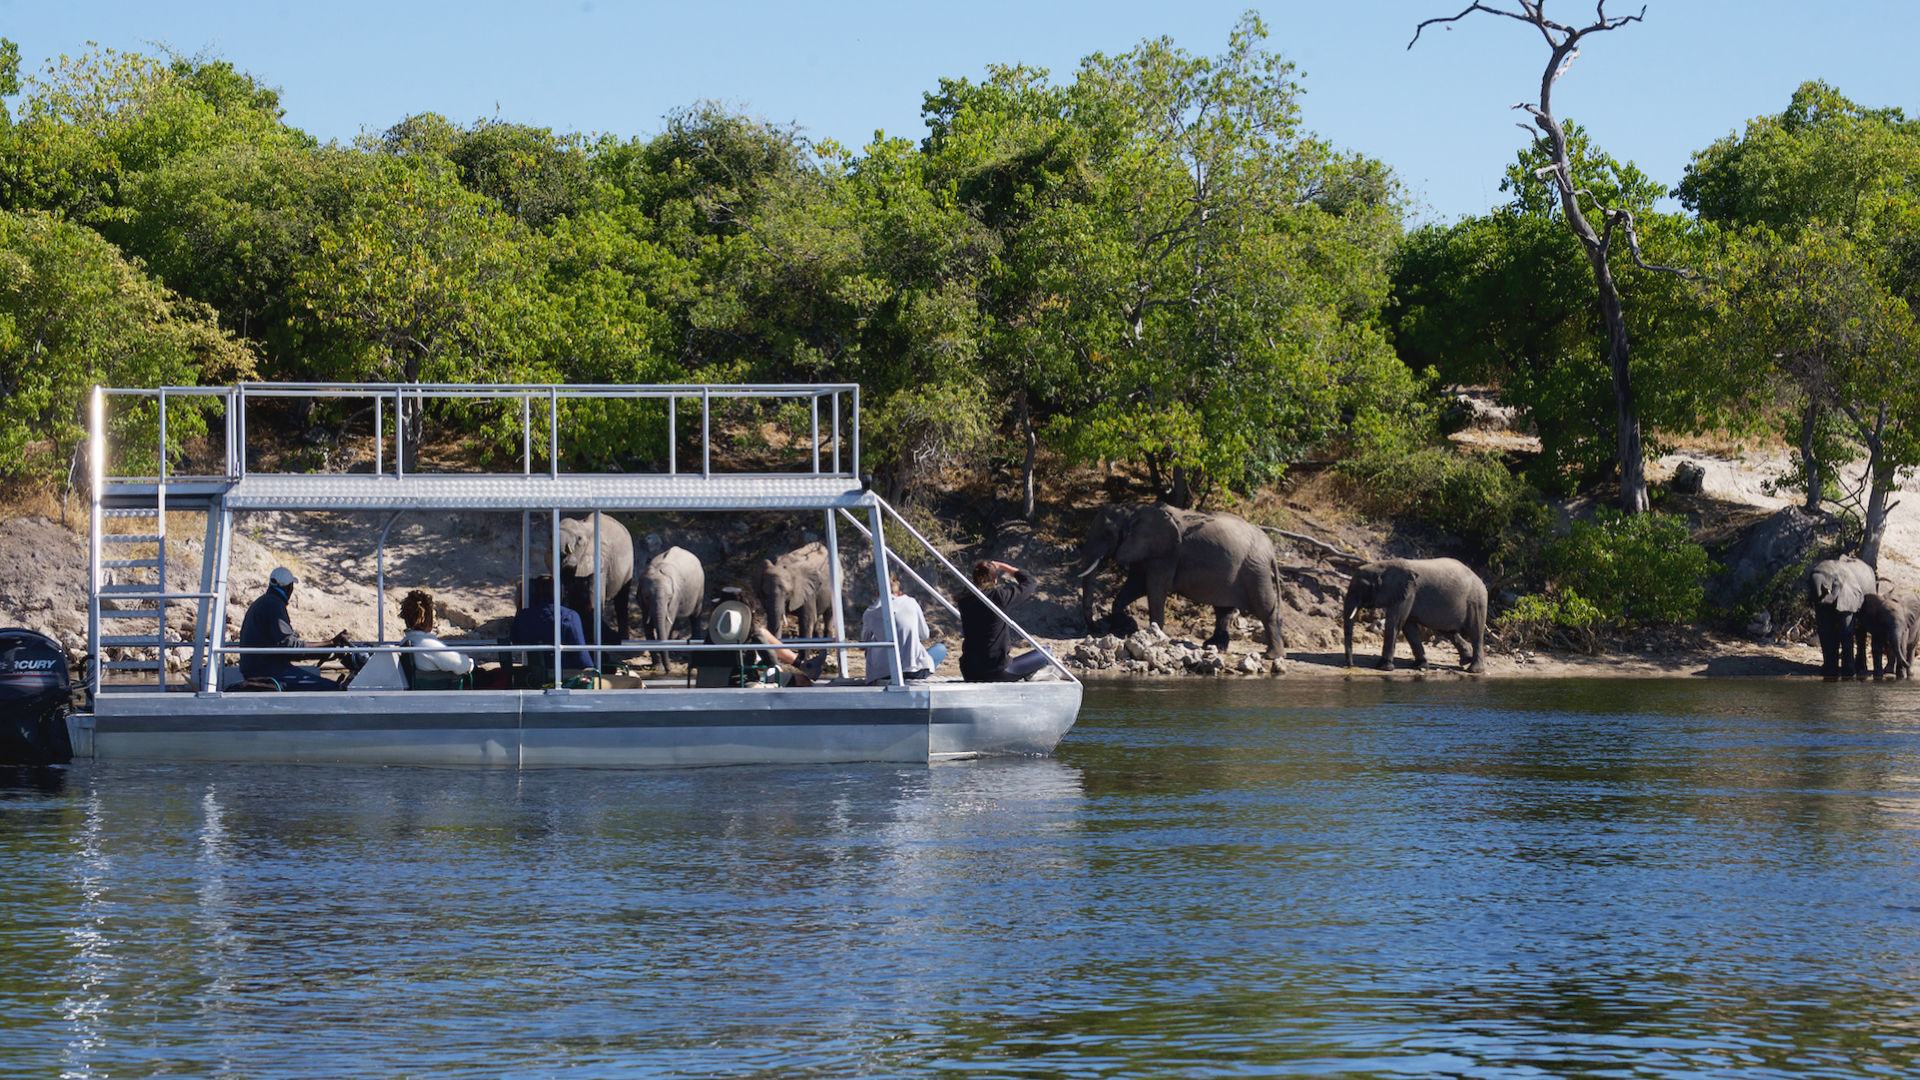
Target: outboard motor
34,696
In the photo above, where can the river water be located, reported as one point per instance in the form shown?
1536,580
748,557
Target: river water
1276,878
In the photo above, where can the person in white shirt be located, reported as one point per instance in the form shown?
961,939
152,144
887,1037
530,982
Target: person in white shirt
917,660
416,611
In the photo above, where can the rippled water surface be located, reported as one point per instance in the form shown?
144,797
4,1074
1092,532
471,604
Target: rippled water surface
1522,879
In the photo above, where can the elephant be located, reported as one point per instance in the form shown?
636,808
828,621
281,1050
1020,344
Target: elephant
797,583
1442,595
616,561
1214,559
1892,622
1837,588
671,590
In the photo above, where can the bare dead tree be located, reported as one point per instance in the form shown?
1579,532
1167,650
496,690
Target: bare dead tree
1563,43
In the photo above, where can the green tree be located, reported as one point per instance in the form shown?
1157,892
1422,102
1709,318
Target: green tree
91,124
74,313
1182,275
1827,195
424,281
1504,299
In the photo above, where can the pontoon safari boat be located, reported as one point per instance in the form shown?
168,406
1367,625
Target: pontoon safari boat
141,707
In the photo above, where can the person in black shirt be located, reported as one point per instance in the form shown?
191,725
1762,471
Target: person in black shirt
984,641
267,625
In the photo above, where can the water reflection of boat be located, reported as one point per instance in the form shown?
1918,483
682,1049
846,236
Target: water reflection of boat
139,710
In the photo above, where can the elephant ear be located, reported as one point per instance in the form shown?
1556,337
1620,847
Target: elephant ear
1153,533
1848,594
1396,584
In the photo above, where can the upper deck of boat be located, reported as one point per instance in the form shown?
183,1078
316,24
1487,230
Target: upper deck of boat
821,469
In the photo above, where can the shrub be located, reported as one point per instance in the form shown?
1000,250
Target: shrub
1545,622
1471,495
1642,569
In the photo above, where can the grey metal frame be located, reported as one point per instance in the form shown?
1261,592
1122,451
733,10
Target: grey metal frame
833,489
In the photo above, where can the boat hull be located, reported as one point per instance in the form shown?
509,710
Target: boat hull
655,727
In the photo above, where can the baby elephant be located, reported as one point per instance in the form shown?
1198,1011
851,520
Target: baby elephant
671,591
1442,595
1892,621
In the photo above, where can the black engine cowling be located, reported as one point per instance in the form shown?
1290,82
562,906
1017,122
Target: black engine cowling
34,695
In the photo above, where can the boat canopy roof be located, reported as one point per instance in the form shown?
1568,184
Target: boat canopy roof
819,471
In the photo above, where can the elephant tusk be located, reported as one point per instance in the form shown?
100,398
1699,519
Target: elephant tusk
1091,567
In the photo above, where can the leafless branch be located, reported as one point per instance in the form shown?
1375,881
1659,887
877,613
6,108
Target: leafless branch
1321,544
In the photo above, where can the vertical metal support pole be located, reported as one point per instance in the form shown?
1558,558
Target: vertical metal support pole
526,558
706,432
886,594
834,582
815,402
553,548
218,636
243,432
598,619
399,432
379,435
553,444
673,436
203,634
98,452
526,445
836,432
380,581
161,473
160,547
854,461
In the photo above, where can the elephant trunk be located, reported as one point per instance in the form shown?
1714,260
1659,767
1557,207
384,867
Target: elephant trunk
1089,587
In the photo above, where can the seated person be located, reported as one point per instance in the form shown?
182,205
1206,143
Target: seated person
984,639
533,625
267,625
416,611
793,670
917,661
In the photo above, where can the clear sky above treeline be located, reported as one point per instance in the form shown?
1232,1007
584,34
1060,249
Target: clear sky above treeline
1439,113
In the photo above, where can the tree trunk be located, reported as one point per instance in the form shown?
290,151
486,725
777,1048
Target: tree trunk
1182,493
1879,479
1809,461
410,425
1032,440
1632,456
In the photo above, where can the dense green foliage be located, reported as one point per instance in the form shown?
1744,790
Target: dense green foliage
1640,569
1149,261
1473,496
1824,284
1507,300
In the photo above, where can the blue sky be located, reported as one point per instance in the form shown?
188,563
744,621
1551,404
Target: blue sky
1439,113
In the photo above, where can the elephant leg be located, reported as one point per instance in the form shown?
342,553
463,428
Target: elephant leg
1398,618
1222,619
1158,586
1824,621
1460,642
623,613
1412,630
1133,588
1276,637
